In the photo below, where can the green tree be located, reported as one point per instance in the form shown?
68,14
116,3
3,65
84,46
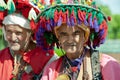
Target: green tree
2,41
114,24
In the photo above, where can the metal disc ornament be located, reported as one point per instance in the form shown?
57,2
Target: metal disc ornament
63,77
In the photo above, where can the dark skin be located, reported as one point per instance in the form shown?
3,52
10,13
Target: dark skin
71,39
16,32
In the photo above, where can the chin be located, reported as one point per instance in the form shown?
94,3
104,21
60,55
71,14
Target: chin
71,52
15,48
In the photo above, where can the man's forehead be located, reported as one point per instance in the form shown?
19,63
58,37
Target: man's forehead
14,27
65,28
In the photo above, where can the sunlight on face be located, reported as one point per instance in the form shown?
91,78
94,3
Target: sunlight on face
15,36
71,39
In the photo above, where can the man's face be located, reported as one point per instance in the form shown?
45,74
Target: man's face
71,39
16,37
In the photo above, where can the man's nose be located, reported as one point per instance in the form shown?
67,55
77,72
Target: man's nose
70,39
14,37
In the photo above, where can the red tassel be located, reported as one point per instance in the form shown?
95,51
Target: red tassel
74,69
81,15
73,15
109,18
51,1
104,26
33,25
42,1
56,16
1,15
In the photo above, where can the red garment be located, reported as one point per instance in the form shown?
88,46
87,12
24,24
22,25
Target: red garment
37,58
110,69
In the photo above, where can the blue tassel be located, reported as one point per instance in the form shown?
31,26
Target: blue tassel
68,22
95,25
48,27
72,21
85,22
101,32
78,21
59,21
90,22
52,22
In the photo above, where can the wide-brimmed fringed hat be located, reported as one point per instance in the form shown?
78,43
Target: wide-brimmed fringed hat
72,12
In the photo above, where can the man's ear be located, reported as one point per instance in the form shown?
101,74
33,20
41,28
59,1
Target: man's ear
56,31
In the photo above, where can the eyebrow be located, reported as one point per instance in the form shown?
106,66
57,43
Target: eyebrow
77,31
62,33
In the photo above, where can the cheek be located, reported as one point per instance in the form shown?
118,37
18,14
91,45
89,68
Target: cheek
8,37
77,38
62,40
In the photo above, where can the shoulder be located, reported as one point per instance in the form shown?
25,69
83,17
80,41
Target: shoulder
110,66
51,70
4,52
54,64
105,59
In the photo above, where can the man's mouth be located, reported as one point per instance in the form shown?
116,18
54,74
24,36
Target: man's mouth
72,44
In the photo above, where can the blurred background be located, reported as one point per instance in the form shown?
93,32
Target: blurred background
112,43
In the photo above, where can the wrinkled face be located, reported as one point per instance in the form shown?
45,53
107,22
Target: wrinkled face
16,37
71,40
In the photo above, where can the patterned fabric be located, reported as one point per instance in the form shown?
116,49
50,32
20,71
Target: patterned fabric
34,58
110,69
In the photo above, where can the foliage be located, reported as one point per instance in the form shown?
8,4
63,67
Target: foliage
113,25
2,41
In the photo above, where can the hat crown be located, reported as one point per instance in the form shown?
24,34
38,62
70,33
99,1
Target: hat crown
43,4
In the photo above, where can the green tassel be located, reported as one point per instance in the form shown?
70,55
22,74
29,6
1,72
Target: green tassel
93,3
3,6
75,11
52,13
86,16
93,14
60,52
89,10
50,37
76,2
70,10
58,1
92,36
83,9
11,6
100,18
47,14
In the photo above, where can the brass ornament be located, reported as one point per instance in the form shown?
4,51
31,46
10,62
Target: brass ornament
63,76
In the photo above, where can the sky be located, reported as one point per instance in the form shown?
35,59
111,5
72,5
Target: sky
114,5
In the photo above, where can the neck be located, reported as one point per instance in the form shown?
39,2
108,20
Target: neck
76,55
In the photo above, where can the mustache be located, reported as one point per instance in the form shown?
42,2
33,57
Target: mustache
70,44
16,41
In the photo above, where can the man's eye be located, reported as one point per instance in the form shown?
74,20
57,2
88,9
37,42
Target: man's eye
63,34
18,33
77,33
8,31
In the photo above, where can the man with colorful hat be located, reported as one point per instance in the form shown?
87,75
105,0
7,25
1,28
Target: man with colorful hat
22,59
76,27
